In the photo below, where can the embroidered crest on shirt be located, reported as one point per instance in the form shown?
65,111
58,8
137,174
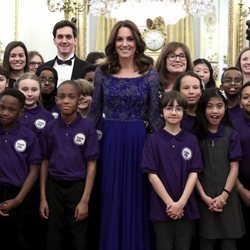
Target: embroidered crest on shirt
20,145
186,153
79,139
40,123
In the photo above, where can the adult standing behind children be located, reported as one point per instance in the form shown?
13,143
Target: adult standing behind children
243,62
173,60
66,63
15,60
126,91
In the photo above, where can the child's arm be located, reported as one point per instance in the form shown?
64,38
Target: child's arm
159,188
220,200
206,199
189,187
243,192
7,205
44,208
81,211
178,207
163,194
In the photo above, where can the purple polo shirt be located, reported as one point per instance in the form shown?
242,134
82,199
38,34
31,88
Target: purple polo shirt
235,112
19,148
55,111
187,123
36,119
68,147
172,158
242,125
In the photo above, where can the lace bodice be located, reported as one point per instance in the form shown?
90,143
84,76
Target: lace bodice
126,98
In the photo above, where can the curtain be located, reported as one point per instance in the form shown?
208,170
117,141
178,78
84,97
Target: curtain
104,27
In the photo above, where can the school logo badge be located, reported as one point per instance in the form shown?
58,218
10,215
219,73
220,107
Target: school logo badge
40,123
79,139
186,153
20,145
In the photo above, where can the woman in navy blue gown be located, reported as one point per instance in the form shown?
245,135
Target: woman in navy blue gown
125,94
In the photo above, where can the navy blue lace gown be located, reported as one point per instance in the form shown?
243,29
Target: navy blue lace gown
125,102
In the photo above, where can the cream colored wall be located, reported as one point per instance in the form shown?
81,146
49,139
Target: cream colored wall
32,24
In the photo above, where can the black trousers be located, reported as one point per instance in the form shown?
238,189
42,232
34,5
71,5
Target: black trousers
15,229
63,231
173,235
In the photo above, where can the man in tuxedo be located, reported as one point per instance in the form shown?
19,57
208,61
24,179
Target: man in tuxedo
66,63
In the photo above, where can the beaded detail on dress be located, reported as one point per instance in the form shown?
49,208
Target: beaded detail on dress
126,98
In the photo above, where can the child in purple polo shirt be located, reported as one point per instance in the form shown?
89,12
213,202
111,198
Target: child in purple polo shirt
19,167
231,82
242,124
220,211
172,158
69,152
34,116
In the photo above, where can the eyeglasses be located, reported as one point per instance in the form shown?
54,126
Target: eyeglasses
170,109
173,57
33,64
49,80
232,80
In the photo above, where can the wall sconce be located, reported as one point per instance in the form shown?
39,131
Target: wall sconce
244,11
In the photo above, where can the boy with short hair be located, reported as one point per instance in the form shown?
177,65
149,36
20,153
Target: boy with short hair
19,168
231,82
69,151
171,158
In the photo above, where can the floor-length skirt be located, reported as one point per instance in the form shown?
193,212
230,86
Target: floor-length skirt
124,189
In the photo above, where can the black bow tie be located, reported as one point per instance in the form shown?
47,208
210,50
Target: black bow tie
68,62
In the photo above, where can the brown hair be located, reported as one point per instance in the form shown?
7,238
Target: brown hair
142,61
86,86
169,97
7,51
62,24
160,63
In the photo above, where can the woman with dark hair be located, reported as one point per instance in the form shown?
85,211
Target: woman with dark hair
126,92
173,60
15,60
204,69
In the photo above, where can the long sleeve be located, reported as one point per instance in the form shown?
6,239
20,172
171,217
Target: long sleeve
96,109
153,101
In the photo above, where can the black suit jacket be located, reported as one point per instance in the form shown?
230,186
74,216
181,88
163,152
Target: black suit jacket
77,68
